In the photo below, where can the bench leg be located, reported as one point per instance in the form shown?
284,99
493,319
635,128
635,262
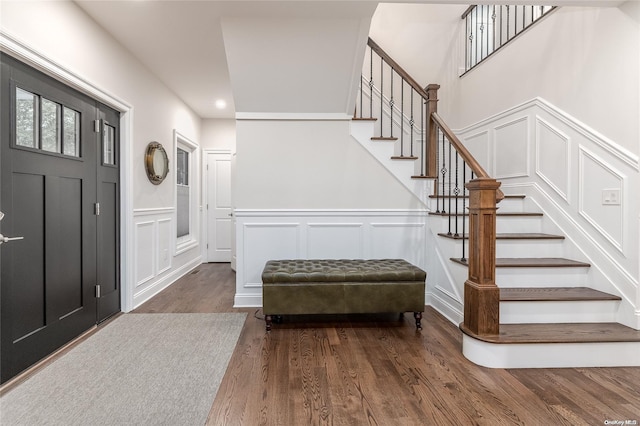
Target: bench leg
268,320
418,317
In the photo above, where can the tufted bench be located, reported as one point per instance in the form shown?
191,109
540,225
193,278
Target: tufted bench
292,287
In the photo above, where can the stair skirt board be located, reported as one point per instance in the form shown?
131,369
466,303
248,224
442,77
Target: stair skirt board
551,355
518,312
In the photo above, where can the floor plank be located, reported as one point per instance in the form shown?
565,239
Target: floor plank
378,370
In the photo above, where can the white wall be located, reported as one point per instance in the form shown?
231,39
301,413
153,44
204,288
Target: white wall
68,39
296,164
218,133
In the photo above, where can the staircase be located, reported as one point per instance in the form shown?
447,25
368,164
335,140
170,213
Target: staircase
549,314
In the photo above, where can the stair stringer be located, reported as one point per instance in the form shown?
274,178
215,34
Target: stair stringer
445,280
382,151
605,274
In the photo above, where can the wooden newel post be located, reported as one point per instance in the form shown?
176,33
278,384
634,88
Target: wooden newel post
431,159
481,295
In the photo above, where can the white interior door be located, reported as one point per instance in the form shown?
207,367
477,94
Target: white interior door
219,210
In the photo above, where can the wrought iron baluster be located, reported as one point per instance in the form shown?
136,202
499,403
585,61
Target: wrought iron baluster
402,117
493,24
371,83
391,105
466,48
381,94
486,23
412,122
451,216
456,192
501,25
464,206
443,171
508,21
476,60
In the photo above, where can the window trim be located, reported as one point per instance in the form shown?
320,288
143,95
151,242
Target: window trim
190,240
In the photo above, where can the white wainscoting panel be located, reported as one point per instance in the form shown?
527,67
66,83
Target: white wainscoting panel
609,220
335,240
512,141
165,232
144,260
263,242
553,163
264,235
480,146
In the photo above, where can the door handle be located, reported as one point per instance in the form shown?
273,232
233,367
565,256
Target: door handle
4,239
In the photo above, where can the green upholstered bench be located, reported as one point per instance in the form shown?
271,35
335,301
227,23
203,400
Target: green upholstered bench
291,287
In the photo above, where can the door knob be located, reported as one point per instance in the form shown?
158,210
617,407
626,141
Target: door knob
4,239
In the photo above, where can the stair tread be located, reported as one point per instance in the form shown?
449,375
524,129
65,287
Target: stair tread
511,236
383,138
531,262
503,214
364,119
422,177
561,333
403,157
554,294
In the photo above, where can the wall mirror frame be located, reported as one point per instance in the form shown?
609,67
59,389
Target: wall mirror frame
156,163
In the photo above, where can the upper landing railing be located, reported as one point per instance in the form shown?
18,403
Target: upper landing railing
407,114
489,27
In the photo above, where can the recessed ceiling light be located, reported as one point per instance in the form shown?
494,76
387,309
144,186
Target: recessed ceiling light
221,104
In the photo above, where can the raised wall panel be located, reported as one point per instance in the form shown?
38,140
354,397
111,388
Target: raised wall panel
267,241
479,146
165,230
553,163
398,240
512,149
144,252
595,176
335,241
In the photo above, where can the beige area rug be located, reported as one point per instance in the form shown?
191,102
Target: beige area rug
142,369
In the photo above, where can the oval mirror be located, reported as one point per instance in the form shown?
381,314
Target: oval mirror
156,163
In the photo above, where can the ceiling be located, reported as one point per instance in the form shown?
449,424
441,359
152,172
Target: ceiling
182,41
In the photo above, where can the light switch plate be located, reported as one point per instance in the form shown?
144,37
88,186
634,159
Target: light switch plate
611,197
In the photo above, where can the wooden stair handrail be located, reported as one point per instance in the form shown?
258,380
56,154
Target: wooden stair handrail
468,11
397,68
464,152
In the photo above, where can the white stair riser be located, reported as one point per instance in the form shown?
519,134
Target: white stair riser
529,248
508,205
528,312
504,224
510,248
541,277
557,355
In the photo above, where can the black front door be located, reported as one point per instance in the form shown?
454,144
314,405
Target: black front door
50,160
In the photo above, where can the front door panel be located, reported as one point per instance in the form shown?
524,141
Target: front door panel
48,184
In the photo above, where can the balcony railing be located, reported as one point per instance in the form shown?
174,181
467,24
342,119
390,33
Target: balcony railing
489,27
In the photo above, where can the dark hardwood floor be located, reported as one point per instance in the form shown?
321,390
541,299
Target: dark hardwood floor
377,370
